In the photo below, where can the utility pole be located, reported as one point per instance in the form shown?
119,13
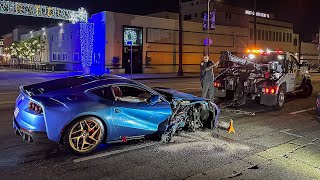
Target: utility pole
255,23
180,70
319,48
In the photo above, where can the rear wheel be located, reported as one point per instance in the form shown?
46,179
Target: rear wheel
84,135
307,89
280,99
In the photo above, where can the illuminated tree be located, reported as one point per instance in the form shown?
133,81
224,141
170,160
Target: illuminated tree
28,49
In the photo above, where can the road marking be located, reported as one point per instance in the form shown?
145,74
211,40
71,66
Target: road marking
113,152
190,89
7,102
298,112
285,131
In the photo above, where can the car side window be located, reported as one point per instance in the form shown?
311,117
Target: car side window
130,94
104,92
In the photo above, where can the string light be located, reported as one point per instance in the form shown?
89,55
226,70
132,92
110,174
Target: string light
25,9
86,42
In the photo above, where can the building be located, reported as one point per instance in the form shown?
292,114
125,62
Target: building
270,33
310,53
153,40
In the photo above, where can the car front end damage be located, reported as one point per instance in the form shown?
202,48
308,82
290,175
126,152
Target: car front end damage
189,116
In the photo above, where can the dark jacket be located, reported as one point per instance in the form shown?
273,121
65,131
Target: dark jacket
206,75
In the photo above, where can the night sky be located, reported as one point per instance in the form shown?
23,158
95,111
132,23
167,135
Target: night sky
304,14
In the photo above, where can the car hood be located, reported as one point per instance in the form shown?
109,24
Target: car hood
177,94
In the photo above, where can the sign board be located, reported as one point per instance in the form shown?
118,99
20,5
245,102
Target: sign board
212,20
34,10
207,42
258,14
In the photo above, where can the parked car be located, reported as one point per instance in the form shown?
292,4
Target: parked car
81,112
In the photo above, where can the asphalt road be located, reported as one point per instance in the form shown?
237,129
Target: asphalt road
270,145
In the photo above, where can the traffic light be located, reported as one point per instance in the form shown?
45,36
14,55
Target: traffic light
212,20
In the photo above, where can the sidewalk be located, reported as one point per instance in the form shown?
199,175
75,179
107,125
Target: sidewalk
16,78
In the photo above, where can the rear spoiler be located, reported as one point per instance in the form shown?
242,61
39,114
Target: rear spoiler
22,90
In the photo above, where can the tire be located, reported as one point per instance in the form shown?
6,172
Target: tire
84,135
280,99
307,89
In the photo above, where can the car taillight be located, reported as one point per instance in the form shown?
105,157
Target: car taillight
35,107
270,90
217,84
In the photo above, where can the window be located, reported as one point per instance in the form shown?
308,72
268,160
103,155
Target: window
54,56
262,35
203,14
105,93
228,15
259,34
195,15
70,35
62,36
130,94
251,34
284,37
197,3
192,4
187,17
270,36
274,36
290,38
280,36
295,42
52,38
76,57
266,37
65,57
59,56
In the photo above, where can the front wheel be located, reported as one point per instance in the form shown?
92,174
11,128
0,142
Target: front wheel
307,89
280,99
84,135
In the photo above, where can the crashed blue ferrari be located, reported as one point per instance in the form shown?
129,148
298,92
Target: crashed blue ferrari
81,112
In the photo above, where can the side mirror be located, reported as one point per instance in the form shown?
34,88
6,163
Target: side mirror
154,99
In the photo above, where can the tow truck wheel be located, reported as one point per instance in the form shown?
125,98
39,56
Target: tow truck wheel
280,99
307,89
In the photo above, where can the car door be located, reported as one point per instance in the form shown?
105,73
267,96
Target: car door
298,72
291,75
134,117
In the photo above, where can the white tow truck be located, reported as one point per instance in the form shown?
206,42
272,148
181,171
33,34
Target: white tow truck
265,76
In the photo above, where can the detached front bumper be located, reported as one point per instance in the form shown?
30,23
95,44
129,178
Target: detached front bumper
29,135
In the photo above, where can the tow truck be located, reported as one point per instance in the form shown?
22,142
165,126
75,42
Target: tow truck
265,76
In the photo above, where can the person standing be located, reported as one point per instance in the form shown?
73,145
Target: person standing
207,77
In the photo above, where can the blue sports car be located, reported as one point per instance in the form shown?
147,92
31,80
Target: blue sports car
82,112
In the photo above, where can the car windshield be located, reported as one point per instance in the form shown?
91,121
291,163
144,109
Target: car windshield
264,59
